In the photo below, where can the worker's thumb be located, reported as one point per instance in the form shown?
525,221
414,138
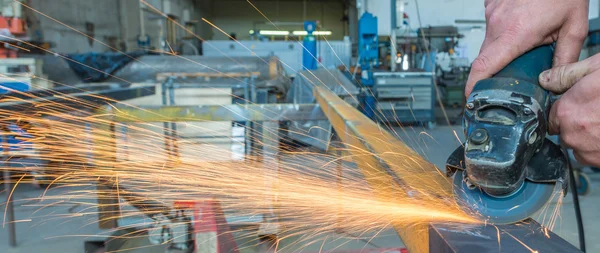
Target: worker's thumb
560,79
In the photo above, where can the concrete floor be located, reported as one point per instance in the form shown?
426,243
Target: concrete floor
67,234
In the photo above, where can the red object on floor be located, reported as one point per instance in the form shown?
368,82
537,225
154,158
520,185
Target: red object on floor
211,231
379,250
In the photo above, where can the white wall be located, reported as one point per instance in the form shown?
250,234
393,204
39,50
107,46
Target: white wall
445,12
442,12
594,8
111,18
75,13
183,10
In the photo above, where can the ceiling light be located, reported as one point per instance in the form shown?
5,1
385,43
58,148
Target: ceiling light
277,33
304,33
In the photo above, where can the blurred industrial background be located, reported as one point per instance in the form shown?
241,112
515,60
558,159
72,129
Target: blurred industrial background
246,78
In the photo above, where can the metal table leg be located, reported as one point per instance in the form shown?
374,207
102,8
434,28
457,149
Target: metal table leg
108,201
173,128
10,212
270,155
163,93
248,124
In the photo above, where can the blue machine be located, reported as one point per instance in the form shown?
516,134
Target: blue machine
15,141
309,55
368,54
143,41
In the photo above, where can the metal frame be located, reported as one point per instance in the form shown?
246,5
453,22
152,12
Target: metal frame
169,84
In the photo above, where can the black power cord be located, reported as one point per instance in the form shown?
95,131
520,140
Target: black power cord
575,195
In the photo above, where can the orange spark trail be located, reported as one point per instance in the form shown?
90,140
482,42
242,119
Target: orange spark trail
9,197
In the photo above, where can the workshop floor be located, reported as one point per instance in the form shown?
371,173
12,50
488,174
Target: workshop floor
67,234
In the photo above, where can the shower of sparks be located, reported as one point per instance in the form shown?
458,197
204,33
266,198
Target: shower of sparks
74,148
77,148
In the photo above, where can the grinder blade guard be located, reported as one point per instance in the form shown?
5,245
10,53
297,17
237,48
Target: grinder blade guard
507,169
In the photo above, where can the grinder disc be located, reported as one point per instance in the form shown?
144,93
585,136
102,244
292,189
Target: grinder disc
515,207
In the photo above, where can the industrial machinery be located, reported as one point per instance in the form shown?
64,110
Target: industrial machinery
507,169
331,53
368,54
406,97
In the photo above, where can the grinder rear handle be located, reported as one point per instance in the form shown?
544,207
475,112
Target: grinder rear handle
530,65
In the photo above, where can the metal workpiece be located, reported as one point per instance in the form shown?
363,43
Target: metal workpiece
375,152
201,113
527,236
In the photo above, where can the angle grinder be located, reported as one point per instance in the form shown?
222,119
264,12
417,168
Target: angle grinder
507,169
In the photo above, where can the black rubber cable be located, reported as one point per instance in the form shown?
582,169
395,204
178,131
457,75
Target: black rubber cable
575,195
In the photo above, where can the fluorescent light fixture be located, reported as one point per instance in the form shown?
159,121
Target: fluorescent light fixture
325,33
300,33
304,33
276,33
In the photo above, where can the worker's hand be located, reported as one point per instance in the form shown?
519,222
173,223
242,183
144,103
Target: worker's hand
517,26
576,115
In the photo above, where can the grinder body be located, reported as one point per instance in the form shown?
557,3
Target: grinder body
506,159
511,109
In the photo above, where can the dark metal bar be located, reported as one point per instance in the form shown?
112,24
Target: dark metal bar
526,236
61,91
108,201
10,209
165,87
75,99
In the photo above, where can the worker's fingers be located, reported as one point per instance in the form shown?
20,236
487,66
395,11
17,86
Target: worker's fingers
553,121
560,79
579,158
569,42
493,57
586,158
